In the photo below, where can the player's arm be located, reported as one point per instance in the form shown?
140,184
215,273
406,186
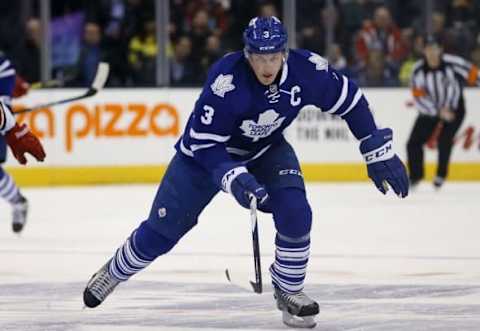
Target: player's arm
343,98
18,137
212,124
463,68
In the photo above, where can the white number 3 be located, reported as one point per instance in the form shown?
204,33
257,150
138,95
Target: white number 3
207,117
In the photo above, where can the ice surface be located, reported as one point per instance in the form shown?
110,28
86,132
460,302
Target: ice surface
378,263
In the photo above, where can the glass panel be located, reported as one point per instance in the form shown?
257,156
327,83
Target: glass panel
371,42
119,32
203,31
21,37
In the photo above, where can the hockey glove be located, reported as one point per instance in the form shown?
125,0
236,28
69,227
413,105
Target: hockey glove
383,164
21,87
22,141
240,183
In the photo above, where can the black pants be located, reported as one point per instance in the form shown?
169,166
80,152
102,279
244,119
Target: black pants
421,132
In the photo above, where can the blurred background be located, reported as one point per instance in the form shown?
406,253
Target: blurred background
172,43
159,53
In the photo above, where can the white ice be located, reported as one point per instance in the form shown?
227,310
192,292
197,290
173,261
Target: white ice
377,263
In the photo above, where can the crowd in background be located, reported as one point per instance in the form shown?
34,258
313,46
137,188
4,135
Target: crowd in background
373,42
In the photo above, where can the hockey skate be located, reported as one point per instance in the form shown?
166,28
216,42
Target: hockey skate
298,310
19,214
99,287
438,182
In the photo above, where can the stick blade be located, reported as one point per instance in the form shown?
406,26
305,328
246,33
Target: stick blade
242,283
257,287
101,76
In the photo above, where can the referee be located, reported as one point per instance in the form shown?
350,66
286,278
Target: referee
437,85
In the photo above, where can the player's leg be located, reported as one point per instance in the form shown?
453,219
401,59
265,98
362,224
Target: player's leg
421,132
183,193
445,144
11,193
280,172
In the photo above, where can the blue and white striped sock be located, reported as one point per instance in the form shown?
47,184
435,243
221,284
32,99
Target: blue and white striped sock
290,266
8,189
128,260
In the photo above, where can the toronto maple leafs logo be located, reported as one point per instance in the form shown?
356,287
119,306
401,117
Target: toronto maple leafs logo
320,62
268,121
222,85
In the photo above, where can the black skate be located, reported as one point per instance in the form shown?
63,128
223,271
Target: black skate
438,182
99,287
298,310
19,214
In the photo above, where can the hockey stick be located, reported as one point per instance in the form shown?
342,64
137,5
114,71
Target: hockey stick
98,83
257,285
47,84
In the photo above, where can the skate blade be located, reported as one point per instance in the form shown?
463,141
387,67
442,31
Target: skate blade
304,322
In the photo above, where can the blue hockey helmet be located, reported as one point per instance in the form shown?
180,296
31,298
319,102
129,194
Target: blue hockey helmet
265,35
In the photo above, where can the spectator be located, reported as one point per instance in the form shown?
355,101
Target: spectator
26,55
338,61
199,35
382,35
268,9
377,72
142,52
313,36
115,44
90,54
416,53
213,52
182,71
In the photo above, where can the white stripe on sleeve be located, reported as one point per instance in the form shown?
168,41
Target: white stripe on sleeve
341,99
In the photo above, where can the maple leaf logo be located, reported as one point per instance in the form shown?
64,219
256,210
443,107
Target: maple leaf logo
222,85
268,121
320,62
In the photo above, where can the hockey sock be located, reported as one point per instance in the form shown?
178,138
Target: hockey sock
8,189
138,251
291,259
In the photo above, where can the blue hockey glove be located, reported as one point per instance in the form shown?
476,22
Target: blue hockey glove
383,164
240,183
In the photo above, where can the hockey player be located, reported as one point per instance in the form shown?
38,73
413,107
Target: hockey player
18,137
233,142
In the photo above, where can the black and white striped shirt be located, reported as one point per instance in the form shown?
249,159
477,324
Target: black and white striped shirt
434,89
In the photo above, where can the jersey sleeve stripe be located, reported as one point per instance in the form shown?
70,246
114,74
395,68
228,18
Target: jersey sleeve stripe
195,148
341,99
208,136
5,64
424,108
7,73
461,71
184,149
355,100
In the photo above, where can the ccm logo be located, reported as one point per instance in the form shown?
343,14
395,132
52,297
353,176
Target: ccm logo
290,172
379,153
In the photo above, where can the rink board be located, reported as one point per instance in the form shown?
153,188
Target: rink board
127,136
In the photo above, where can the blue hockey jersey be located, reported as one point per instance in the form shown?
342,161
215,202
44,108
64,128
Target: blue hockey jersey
237,119
7,79
7,84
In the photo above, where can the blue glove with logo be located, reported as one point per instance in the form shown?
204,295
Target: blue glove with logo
241,184
383,165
